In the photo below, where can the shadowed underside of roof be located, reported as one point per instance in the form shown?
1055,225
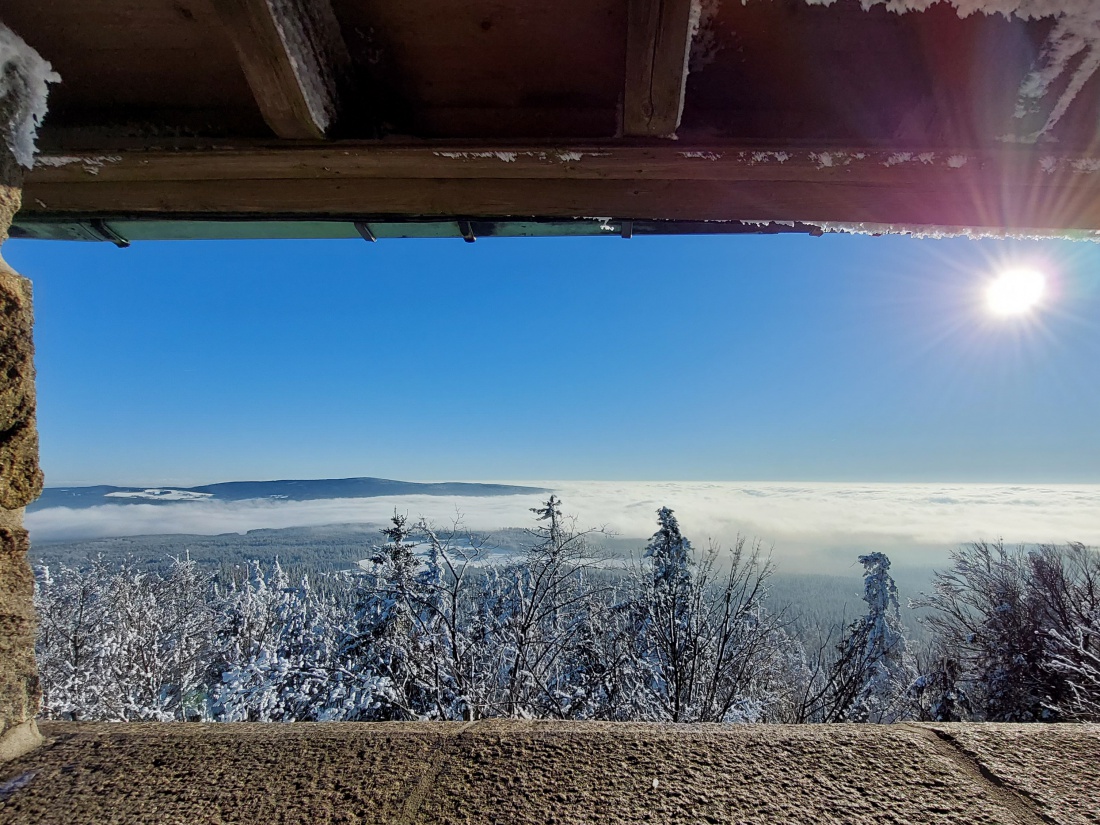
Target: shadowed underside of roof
285,117
538,772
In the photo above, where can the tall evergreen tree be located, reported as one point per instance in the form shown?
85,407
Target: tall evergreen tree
668,633
385,637
874,671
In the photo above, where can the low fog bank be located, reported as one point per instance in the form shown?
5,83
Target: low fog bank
819,527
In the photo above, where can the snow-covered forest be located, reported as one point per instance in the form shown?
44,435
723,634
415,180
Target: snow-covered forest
434,626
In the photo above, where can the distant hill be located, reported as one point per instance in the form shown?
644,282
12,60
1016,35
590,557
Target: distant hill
288,490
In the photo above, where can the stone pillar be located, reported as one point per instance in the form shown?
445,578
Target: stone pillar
20,484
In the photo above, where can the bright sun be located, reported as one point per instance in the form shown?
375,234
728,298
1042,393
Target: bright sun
1015,291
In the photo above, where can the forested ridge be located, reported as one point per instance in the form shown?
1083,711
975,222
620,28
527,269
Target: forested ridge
432,625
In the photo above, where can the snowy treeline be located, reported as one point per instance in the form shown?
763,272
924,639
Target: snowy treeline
433,627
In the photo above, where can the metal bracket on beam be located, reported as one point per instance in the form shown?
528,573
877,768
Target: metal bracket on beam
363,228
467,231
627,229
100,229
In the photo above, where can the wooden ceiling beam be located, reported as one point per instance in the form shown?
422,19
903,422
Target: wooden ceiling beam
242,161
658,46
898,208
1015,188
1010,188
295,60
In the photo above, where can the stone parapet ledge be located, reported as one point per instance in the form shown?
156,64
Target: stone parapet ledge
501,771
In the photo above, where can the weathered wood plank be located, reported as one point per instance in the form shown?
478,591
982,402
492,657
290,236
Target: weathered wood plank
1007,187
295,60
928,203
1018,166
658,45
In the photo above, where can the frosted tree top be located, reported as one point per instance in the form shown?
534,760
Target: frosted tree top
24,80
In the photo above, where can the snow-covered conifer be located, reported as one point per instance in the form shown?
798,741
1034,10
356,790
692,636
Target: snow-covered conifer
709,648
539,618
874,670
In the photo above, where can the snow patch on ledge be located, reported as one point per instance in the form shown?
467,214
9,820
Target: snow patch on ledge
92,164
507,157
605,223
1088,166
560,156
931,231
765,157
768,223
24,78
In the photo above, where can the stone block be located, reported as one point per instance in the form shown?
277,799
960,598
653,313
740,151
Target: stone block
20,475
19,688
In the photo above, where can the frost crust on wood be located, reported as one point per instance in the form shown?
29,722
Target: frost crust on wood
937,232
1073,44
308,30
24,79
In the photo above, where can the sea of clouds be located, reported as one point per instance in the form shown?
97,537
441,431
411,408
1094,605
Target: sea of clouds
817,524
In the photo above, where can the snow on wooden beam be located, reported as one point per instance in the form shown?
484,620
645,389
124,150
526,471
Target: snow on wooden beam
900,209
344,160
295,60
1007,188
658,45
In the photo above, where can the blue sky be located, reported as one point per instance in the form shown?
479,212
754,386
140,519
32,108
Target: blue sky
696,358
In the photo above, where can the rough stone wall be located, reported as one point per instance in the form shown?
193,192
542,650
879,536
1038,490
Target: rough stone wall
569,773
20,484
